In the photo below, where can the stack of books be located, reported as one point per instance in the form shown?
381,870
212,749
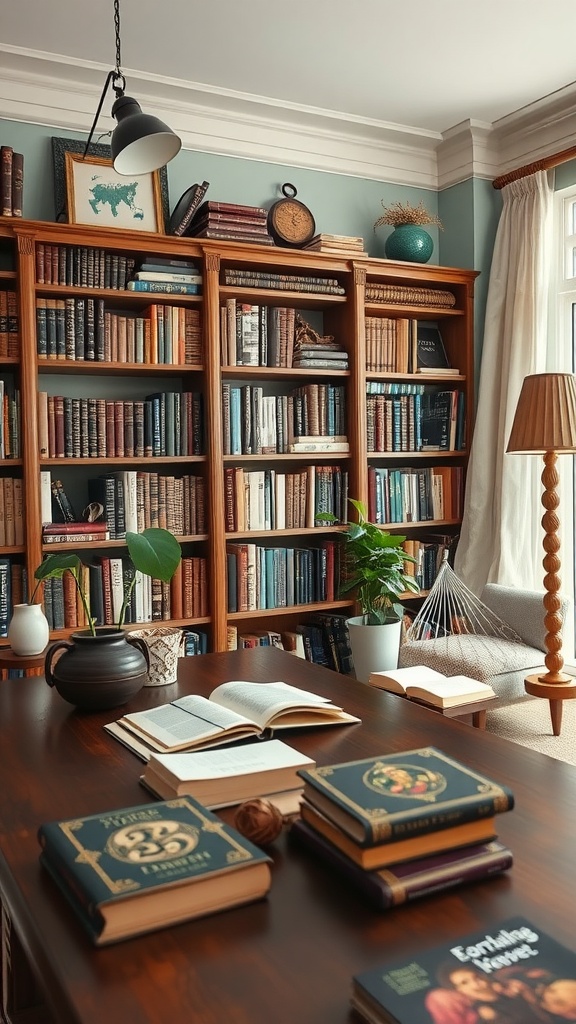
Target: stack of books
338,245
327,355
11,182
74,533
174,277
404,825
231,221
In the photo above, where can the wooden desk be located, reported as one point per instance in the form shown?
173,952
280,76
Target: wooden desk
290,957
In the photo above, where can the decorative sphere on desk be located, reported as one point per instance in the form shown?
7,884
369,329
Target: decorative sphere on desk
259,821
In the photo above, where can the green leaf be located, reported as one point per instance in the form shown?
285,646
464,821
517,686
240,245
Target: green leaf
154,552
57,564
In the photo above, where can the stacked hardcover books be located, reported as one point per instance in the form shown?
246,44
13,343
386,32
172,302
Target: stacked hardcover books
174,277
328,355
338,245
404,825
231,221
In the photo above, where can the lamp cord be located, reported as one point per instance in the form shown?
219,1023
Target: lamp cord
117,31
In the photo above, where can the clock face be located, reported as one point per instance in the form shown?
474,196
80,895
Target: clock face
292,222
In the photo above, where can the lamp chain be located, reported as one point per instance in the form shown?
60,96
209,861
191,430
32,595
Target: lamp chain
117,31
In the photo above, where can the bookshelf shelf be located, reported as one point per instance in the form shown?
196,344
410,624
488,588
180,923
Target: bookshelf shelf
341,316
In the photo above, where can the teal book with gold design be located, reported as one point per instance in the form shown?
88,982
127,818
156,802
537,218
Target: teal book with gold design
402,795
133,870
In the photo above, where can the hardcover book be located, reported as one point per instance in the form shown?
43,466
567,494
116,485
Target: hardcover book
509,971
379,799
195,722
133,870
431,687
400,883
430,347
381,855
220,778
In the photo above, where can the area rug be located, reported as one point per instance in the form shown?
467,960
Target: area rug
527,721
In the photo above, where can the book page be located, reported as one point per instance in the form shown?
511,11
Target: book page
264,700
453,686
398,680
186,721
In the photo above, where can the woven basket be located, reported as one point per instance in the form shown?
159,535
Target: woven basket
164,644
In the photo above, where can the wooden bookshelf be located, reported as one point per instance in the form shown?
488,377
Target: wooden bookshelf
342,316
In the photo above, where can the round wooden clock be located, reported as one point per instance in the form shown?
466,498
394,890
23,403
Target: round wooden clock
290,222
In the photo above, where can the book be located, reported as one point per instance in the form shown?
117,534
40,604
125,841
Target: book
510,970
319,446
430,351
377,799
139,868
381,855
6,164
186,208
166,275
220,778
432,687
409,880
99,526
74,538
195,722
164,287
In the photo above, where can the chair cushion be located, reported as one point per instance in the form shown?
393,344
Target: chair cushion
480,657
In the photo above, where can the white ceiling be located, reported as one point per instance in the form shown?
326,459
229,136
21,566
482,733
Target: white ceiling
368,87
428,65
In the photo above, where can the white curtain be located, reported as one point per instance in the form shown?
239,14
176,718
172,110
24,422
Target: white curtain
501,538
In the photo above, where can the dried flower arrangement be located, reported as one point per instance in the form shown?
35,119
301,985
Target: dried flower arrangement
404,213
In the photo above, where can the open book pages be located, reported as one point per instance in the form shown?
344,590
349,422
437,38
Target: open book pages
236,710
426,684
220,778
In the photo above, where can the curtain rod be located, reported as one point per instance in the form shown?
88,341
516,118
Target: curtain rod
539,165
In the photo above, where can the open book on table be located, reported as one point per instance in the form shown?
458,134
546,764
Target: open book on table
234,711
426,684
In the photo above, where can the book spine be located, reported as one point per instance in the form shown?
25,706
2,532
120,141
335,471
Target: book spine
6,163
195,201
17,183
165,288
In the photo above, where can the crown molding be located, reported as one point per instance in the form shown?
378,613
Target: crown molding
62,93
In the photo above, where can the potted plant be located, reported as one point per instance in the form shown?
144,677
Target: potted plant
376,572
409,239
101,667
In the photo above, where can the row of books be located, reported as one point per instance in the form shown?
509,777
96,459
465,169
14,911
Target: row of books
404,824
407,495
283,282
410,295
11,511
163,424
105,579
261,577
9,323
231,221
404,345
13,590
268,500
82,266
428,555
11,181
10,418
309,418
253,335
323,639
82,329
431,421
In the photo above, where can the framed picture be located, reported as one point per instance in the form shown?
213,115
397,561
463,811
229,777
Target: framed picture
90,191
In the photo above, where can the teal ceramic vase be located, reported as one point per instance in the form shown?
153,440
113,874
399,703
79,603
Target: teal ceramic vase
409,242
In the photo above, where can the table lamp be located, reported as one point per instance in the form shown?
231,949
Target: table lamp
545,424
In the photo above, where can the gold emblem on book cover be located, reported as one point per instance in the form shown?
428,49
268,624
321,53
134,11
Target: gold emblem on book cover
404,780
152,842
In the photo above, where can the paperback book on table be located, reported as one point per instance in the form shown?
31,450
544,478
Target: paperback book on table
139,868
508,971
412,792
432,687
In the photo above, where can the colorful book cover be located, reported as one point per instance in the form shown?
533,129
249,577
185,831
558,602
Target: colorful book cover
510,973
410,793
401,883
139,868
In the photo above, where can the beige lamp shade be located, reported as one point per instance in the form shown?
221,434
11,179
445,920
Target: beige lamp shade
545,417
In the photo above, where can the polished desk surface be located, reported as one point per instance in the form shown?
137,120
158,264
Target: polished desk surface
290,957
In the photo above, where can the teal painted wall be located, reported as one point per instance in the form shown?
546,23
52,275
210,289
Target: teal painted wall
341,204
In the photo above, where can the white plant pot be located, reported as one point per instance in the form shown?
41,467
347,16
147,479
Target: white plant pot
374,648
28,630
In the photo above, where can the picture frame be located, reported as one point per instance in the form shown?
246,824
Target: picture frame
144,208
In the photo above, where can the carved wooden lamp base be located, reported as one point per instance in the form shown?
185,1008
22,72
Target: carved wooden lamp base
554,685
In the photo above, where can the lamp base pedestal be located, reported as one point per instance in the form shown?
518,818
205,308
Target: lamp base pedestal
555,687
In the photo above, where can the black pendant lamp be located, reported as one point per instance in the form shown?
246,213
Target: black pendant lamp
140,142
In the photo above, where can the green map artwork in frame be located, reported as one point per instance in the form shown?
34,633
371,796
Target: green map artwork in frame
90,191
